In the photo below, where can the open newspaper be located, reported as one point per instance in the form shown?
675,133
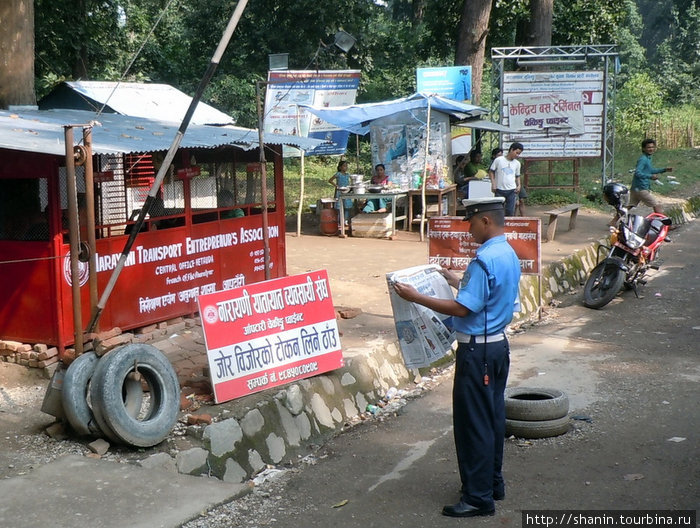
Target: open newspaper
423,336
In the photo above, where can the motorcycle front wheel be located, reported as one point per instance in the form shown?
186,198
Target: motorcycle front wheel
602,285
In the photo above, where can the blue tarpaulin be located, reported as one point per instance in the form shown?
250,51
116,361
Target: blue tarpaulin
357,118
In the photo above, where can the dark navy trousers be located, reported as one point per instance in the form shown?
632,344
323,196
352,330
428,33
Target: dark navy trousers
479,419
511,200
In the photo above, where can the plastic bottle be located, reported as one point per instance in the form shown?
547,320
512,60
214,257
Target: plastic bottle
372,408
390,393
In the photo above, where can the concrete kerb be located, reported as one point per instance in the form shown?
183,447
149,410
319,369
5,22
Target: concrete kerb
281,428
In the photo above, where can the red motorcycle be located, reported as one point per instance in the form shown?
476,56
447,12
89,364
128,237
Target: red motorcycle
634,247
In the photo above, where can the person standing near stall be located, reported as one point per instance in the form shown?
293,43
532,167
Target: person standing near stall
486,299
342,179
505,177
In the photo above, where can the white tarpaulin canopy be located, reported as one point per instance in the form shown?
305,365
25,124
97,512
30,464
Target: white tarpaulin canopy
357,118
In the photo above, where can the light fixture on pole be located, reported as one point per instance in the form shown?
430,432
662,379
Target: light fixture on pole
278,61
344,40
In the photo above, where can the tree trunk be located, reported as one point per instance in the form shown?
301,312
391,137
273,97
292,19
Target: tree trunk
538,30
471,40
17,53
418,12
80,60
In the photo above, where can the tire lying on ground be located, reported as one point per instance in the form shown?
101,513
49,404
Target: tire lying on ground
119,370
74,395
523,403
537,429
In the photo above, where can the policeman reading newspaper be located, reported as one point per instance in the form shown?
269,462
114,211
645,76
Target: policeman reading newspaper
483,307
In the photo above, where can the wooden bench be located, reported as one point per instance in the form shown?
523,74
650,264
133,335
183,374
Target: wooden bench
554,216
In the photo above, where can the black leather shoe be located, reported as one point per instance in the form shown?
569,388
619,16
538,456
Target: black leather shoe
462,509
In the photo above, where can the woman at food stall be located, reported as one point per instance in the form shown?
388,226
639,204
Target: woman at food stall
380,178
341,180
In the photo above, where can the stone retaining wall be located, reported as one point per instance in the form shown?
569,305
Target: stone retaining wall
283,426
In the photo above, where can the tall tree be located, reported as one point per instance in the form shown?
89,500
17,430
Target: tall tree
471,40
538,30
17,52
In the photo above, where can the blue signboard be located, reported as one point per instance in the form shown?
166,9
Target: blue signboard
453,82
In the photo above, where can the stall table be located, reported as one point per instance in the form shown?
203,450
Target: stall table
450,192
393,195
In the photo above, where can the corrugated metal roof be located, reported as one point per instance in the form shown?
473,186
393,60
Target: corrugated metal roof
42,131
153,101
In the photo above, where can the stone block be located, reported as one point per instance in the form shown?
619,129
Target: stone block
102,347
47,362
47,353
57,431
99,446
192,461
159,461
199,419
223,436
176,327
13,346
252,423
49,370
146,329
185,402
41,347
347,312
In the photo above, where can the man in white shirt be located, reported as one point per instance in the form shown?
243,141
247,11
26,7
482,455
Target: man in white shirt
505,177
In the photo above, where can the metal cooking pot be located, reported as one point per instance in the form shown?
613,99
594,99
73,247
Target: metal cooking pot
356,179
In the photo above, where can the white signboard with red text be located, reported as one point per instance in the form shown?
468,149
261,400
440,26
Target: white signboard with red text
270,333
554,114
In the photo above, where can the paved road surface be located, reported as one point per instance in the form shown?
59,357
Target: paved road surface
631,367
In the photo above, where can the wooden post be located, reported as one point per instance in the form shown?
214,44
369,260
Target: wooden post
73,235
301,181
425,177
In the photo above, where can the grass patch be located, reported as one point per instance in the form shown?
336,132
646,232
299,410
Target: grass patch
685,163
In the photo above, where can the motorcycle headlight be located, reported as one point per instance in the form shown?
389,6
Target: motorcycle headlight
633,240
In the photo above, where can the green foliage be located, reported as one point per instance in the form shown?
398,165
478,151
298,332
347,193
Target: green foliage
236,94
587,21
552,197
632,53
638,103
679,65
505,16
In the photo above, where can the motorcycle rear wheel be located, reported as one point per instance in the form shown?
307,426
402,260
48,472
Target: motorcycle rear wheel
603,284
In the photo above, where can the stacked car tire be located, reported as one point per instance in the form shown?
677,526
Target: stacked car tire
536,412
130,395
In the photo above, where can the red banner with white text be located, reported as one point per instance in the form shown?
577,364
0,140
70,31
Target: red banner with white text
270,333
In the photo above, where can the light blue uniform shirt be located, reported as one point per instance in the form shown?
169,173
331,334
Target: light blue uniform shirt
496,293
